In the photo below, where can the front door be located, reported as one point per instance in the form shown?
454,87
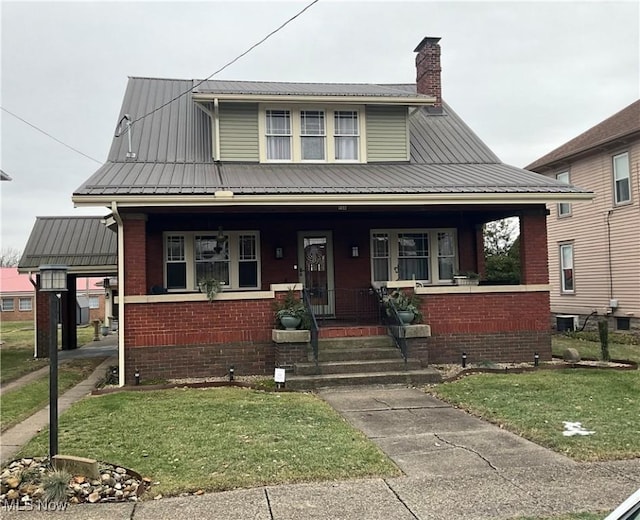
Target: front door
315,257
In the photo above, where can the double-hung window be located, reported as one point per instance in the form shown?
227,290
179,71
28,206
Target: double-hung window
232,258
278,131
94,302
312,135
424,255
564,208
621,177
7,304
566,269
25,304
346,132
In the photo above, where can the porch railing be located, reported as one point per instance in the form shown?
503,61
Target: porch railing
390,317
356,306
313,324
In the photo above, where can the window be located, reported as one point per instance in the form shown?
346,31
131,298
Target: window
564,208
346,135
425,255
94,302
307,133
623,323
24,304
566,268
278,135
312,135
622,188
7,304
232,258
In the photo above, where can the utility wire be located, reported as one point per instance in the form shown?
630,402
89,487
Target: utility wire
49,135
282,26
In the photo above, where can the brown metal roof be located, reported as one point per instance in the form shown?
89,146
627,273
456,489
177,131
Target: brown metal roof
81,243
618,126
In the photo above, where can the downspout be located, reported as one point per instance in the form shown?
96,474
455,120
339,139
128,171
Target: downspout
121,293
609,254
35,315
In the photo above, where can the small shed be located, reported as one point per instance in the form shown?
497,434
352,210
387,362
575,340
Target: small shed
82,310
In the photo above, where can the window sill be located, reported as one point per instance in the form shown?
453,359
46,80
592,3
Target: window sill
198,297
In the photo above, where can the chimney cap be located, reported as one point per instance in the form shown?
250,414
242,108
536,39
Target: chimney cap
427,40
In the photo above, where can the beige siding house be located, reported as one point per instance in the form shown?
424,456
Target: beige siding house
594,247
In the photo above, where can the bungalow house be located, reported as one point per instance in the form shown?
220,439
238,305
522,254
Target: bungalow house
594,249
335,189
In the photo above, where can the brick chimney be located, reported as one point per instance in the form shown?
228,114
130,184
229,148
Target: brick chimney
428,71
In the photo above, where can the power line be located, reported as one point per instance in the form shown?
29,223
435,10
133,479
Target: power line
282,26
49,135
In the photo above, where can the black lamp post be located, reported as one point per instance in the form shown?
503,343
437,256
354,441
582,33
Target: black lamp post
53,279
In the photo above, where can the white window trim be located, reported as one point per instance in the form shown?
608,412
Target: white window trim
96,299
563,289
296,145
13,304
615,180
190,260
566,205
25,300
433,252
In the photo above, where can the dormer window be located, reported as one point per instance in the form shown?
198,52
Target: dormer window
312,135
346,135
278,133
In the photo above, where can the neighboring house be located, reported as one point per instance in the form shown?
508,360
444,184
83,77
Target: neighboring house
334,188
17,296
594,248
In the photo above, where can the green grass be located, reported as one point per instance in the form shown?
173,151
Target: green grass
588,348
535,404
24,401
217,439
16,354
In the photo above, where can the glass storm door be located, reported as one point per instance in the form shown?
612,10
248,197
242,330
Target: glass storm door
315,257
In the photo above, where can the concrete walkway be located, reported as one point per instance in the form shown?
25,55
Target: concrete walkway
455,467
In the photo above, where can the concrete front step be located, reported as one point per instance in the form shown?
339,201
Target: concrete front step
358,354
356,342
408,377
361,366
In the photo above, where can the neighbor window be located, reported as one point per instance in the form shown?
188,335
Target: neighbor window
24,304
278,135
622,188
346,135
424,255
94,302
232,258
566,268
564,208
7,304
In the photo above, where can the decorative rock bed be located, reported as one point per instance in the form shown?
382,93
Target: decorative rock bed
115,484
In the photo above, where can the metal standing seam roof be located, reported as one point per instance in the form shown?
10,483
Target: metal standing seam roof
81,243
173,147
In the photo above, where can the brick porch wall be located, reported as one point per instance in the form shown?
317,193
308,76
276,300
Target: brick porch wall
507,327
198,339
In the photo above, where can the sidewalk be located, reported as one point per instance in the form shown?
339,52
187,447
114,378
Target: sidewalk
455,467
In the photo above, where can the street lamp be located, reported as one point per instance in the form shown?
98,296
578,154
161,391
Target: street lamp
53,279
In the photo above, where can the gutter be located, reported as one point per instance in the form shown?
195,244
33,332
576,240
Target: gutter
121,293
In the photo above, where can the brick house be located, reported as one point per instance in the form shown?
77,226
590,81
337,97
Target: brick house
337,189
594,249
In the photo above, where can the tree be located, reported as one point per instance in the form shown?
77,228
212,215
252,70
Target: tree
9,257
502,251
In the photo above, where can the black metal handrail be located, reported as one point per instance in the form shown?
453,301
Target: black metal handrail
390,317
313,324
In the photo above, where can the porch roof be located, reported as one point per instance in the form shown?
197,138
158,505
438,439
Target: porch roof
84,244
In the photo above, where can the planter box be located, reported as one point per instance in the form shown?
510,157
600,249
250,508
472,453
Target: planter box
463,280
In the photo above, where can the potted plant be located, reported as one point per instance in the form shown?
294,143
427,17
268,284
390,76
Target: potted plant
291,312
407,305
466,278
210,285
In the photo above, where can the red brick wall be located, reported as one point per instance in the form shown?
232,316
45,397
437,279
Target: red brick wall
16,314
135,253
533,247
488,326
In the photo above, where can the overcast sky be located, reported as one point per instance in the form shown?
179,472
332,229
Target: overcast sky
525,76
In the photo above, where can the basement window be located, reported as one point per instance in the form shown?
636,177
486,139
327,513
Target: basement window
623,323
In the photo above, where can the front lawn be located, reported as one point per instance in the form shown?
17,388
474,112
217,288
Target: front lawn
24,401
535,404
16,354
588,345
217,439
